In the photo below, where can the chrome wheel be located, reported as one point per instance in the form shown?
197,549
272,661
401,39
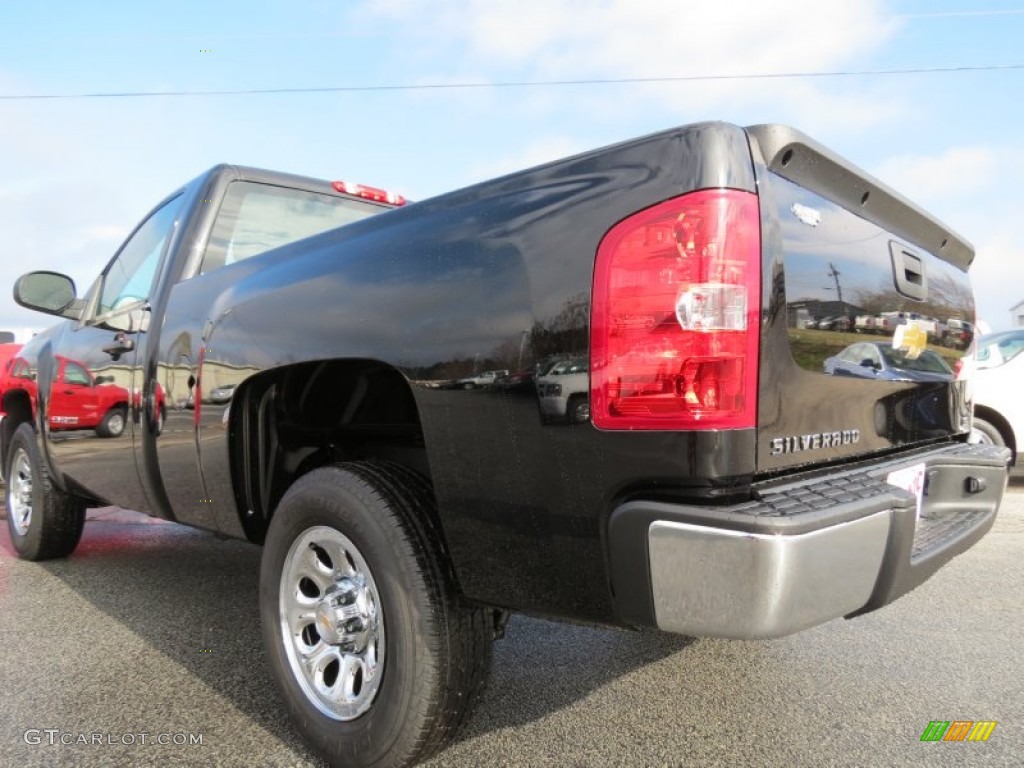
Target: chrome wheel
579,411
331,623
115,423
19,496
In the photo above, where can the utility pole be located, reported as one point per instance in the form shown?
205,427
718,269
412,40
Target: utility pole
834,274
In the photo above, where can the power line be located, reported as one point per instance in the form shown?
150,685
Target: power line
515,83
957,14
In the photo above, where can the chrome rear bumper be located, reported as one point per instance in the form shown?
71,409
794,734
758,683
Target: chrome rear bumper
805,552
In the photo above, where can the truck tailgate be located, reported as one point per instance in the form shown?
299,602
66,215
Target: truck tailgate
866,299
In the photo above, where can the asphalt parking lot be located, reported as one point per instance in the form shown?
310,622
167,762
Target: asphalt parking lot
146,641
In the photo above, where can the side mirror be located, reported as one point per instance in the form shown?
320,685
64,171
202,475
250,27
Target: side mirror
49,292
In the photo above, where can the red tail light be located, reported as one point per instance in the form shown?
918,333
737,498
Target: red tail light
674,323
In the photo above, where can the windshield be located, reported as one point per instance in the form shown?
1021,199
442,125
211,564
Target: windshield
927,361
255,218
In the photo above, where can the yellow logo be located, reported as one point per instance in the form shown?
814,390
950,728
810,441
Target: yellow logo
911,339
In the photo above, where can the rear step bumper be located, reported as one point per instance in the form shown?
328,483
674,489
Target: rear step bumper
802,552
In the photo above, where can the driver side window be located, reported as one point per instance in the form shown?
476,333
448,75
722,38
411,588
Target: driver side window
130,275
76,374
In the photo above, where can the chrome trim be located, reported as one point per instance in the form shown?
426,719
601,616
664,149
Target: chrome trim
722,583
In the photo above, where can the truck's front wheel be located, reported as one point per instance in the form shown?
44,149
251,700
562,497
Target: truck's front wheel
377,656
114,422
44,522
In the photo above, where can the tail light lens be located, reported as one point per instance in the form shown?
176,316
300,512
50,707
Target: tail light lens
674,319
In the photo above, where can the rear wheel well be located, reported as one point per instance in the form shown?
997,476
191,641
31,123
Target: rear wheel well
289,421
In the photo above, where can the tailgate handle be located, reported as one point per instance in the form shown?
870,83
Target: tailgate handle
908,272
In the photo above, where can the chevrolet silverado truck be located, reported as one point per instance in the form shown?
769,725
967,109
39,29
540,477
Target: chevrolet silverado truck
721,484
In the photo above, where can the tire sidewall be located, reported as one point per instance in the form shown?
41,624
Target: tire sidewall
989,430
576,403
104,428
366,739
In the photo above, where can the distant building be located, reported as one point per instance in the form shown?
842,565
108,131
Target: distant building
1017,312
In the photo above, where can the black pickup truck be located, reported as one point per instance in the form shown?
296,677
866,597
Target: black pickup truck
286,345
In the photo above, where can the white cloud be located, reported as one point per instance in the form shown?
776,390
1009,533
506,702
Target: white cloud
583,39
956,172
998,274
974,190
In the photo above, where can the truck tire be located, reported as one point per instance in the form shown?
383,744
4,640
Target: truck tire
114,422
43,521
377,656
578,409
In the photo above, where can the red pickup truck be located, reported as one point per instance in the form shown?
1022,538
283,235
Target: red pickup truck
78,399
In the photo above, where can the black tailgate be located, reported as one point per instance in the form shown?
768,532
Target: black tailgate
868,310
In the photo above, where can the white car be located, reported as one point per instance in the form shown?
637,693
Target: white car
564,391
478,380
998,376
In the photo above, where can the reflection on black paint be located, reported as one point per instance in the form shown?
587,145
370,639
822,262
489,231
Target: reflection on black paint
841,287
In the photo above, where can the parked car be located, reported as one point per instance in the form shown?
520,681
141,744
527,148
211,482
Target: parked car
564,392
519,381
998,374
865,324
878,360
221,395
7,353
837,323
78,399
482,379
958,334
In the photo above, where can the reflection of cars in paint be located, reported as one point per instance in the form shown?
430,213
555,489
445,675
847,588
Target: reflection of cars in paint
78,400
878,360
836,323
957,334
221,395
520,381
8,352
481,380
997,376
564,391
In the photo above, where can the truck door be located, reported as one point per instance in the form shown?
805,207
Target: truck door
94,412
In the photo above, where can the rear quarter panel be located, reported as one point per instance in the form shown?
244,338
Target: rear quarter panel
523,504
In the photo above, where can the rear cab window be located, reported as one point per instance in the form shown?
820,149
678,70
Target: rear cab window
256,217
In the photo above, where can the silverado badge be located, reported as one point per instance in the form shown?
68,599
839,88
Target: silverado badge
814,441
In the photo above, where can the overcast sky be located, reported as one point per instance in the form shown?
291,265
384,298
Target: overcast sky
77,173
